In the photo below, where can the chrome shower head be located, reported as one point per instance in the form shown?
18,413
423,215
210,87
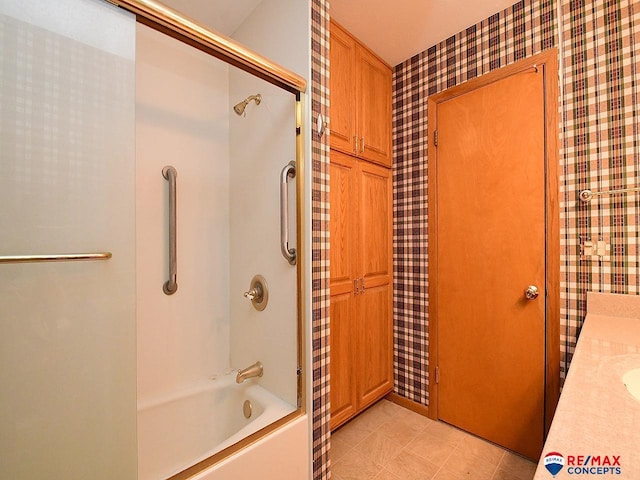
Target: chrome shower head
239,107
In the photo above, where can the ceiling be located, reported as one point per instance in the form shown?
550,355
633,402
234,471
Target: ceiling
395,29
224,16
398,29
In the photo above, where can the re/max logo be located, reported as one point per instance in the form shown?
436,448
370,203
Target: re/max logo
593,460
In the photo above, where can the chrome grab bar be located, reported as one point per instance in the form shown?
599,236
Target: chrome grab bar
171,286
289,171
63,257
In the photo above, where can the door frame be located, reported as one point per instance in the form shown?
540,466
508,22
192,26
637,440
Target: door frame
548,62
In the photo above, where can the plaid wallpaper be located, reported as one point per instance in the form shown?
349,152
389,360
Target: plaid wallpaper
320,238
599,139
525,29
600,148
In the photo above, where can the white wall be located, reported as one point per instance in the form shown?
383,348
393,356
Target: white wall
182,119
261,144
278,29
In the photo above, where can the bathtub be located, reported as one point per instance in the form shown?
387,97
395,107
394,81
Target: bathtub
180,430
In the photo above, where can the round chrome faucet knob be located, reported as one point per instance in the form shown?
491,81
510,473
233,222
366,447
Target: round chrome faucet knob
251,294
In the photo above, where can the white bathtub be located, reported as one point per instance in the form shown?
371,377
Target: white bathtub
180,430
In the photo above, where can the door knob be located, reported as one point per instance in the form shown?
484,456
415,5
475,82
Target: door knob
531,292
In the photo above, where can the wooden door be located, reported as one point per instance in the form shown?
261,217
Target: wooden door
374,107
375,325
343,90
490,203
343,200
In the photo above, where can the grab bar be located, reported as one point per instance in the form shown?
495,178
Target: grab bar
63,257
171,286
289,171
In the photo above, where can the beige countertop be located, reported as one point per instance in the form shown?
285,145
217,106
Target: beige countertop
596,415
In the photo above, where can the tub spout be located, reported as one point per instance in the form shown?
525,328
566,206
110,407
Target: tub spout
254,370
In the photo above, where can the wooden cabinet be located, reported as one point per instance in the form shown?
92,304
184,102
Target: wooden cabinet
361,338
360,89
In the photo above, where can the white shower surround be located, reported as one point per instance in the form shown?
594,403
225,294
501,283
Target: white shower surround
204,330
187,427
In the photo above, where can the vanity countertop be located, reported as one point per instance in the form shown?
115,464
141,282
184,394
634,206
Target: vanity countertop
596,415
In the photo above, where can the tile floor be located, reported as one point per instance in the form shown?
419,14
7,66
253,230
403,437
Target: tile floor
389,442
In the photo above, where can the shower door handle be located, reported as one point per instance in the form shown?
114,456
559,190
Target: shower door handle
289,171
171,286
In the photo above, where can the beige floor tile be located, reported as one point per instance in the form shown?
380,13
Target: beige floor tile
338,449
388,408
403,429
352,433
504,475
387,475
431,447
447,475
519,467
464,463
354,466
409,466
379,448
374,417
446,432
396,410
482,448
389,442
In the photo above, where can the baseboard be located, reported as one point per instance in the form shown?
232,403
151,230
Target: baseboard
408,404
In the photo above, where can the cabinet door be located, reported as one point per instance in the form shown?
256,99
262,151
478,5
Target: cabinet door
375,344
343,231
343,225
374,322
342,90
343,394
374,224
373,80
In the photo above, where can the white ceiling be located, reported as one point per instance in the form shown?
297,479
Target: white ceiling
224,16
395,29
398,29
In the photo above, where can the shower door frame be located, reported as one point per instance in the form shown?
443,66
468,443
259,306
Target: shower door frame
170,22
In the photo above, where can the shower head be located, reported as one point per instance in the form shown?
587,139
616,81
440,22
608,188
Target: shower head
239,107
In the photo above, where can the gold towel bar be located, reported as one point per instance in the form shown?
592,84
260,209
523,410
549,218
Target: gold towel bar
65,257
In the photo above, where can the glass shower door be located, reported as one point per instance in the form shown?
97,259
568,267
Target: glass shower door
67,339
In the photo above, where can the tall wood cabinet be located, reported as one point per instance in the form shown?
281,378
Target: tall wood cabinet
360,92
361,285
361,335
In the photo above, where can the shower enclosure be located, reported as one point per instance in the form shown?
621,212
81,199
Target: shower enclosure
151,256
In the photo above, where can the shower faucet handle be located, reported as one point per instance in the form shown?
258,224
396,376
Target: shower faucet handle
258,293
254,293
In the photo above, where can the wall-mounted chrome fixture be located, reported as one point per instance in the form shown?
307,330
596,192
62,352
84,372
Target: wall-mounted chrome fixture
247,409
251,371
171,286
587,195
258,293
321,125
289,171
239,107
